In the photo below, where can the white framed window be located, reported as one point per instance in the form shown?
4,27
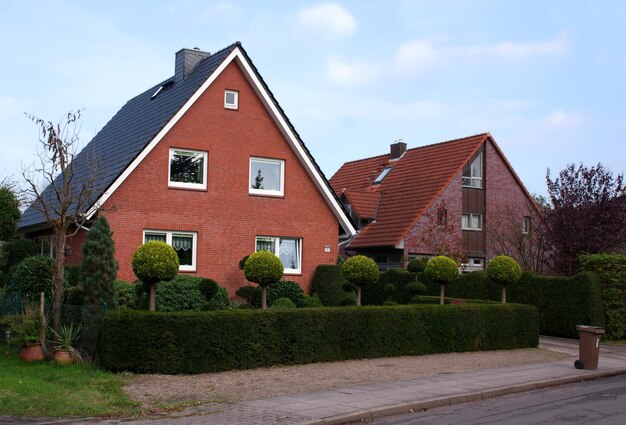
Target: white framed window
473,176
187,169
184,243
231,99
289,250
526,227
46,247
471,221
267,177
473,264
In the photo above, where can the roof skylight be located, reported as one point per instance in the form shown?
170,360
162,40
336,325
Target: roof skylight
163,88
382,175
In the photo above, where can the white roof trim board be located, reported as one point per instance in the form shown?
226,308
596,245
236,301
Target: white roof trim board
276,115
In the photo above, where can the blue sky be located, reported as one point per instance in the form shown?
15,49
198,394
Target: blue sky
546,78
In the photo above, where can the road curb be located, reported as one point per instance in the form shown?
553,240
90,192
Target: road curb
422,405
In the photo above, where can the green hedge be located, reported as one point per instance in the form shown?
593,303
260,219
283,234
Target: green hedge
563,302
611,269
327,285
197,342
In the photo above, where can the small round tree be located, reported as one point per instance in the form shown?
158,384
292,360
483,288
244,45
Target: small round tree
416,265
152,262
442,270
263,268
504,270
31,277
360,271
99,268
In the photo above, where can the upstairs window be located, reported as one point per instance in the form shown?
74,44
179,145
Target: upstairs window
473,175
471,221
231,99
382,175
289,250
526,227
184,243
267,177
187,169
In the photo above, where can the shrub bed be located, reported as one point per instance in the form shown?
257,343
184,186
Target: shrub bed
198,342
328,286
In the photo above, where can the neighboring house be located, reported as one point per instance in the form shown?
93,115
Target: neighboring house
461,197
207,162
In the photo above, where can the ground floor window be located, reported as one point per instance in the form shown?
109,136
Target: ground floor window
289,250
45,245
184,243
474,264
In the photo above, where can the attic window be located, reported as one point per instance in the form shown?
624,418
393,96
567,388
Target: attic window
382,175
473,175
164,87
231,99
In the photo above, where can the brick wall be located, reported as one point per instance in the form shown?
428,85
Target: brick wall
225,216
413,243
506,203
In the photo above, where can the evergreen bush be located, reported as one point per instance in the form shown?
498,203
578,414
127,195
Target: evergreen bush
263,268
153,262
416,265
327,285
31,277
99,268
283,303
309,301
252,294
284,289
125,295
182,293
504,271
442,270
219,300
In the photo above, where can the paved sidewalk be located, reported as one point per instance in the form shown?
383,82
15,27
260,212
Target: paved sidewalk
353,404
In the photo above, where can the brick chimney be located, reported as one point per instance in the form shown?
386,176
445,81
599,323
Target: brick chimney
186,61
397,149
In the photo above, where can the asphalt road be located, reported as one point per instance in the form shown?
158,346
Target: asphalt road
592,402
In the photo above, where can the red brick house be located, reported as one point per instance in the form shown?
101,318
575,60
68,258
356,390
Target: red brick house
460,194
208,162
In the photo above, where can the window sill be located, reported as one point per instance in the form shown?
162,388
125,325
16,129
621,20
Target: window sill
194,189
472,230
292,273
267,195
186,270
471,187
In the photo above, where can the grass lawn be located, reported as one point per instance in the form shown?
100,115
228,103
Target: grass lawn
47,389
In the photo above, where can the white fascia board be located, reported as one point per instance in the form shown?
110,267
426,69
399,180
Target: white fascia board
295,144
251,76
117,183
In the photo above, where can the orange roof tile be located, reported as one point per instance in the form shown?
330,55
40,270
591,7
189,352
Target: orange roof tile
364,203
415,182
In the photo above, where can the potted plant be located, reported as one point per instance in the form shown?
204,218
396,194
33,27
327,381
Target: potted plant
24,332
63,341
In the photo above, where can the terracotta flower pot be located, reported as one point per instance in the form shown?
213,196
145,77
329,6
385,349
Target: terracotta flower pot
32,353
63,357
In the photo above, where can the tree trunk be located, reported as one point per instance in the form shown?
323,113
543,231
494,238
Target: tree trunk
58,276
441,294
152,297
504,295
263,297
42,319
358,296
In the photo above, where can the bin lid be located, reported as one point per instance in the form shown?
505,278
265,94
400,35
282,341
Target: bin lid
590,329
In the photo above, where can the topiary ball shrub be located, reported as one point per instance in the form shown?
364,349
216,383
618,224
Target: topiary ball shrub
208,288
219,300
504,270
360,271
442,269
284,289
389,289
155,261
252,294
263,268
416,265
415,288
309,301
31,277
283,303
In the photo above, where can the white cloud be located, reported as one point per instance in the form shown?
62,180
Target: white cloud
562,119
327,19
355,73
417,55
